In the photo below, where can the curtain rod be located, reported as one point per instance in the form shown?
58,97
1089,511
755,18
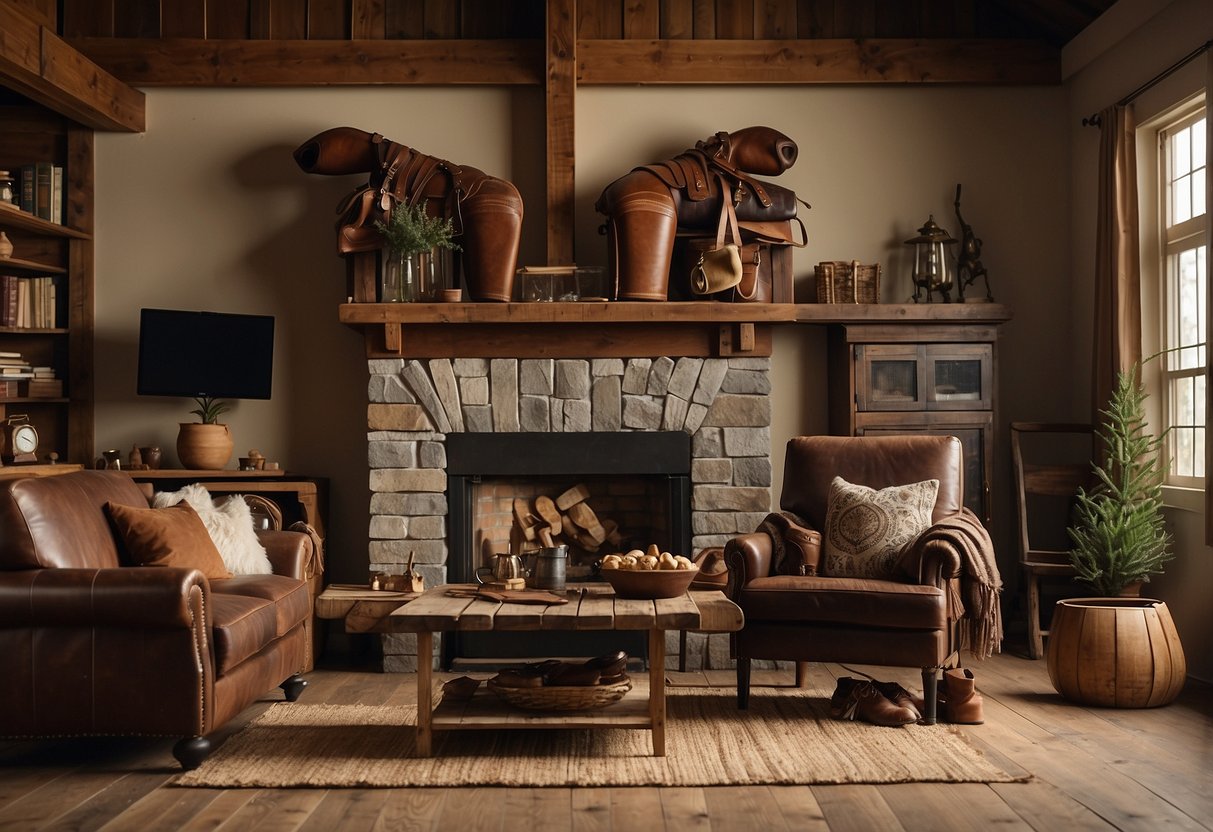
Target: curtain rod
1094,120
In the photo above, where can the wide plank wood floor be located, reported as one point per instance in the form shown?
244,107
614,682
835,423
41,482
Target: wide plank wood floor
1092,769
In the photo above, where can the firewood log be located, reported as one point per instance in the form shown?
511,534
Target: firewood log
577,494
587,520
546,509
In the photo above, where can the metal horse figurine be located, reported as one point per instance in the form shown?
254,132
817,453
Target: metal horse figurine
648,205
486,211
968,266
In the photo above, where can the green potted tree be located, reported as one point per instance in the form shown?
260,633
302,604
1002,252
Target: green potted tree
412,263
1119,650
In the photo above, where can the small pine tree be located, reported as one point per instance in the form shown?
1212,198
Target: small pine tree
1119,535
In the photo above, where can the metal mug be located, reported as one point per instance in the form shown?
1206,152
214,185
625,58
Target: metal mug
550,568
504,567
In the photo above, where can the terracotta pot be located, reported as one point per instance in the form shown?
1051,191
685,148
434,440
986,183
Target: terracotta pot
204,447
1115,652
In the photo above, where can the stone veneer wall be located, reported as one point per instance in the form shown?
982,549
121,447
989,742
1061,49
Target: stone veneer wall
722,402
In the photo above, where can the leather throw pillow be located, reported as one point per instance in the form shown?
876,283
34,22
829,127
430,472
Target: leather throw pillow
171,536
867,529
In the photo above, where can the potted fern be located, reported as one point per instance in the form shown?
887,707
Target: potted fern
412,267
1119,650
207,443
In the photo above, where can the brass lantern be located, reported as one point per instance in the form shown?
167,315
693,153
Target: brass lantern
932,261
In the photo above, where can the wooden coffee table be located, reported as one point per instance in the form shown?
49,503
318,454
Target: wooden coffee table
590,607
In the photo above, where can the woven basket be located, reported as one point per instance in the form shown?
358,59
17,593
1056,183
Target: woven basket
563,698
841,281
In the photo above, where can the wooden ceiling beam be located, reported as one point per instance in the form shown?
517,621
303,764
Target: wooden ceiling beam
271,63
197,62
832,61
37,63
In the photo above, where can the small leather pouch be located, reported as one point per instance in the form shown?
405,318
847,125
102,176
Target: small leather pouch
718,270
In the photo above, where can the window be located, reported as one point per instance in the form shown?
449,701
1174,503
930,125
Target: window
1184,272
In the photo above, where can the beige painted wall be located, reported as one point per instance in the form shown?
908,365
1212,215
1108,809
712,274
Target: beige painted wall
206,210
1142,38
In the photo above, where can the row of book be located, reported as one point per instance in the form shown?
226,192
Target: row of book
20,379
28,302
42,191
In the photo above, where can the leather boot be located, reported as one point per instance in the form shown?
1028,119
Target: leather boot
959,701
899,696
866,702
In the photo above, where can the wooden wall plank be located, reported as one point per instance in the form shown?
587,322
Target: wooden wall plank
735,19
774,19
288,19
227,19
642,19
328,20
404,19
854,18
833,61
705,19
44,12
677,19
183,19
482,18
599,19
815,19
896,19
88,18
560,93
271,63
136,18
367,19
259,15
441,18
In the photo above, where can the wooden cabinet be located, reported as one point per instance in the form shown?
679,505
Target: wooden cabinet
922,377
63,253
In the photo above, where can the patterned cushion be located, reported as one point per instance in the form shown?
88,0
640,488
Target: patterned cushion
866,529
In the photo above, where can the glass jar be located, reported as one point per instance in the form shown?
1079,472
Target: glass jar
398,277
6,187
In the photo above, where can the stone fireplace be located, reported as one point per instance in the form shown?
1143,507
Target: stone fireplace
722,404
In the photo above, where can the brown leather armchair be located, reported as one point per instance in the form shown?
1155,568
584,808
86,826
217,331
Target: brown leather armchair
907,621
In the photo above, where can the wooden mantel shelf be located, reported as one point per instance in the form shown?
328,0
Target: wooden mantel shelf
601,330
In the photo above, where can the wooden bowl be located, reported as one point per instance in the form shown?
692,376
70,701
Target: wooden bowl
649,585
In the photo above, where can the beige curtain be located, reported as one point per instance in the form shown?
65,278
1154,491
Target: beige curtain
1117,267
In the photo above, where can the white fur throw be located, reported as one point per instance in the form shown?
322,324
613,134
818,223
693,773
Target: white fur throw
230,525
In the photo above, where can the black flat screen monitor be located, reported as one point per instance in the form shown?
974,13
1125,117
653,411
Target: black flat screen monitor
205,354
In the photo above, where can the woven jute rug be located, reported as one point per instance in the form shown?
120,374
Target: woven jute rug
786,737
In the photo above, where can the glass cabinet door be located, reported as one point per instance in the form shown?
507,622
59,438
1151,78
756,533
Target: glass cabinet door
889,377
959,376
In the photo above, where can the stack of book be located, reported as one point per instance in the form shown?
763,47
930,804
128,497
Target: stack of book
19,379
42,191
28,302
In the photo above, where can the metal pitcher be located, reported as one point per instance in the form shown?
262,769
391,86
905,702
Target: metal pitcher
504,567
549,570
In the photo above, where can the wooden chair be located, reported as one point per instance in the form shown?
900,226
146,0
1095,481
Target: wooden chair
1050,467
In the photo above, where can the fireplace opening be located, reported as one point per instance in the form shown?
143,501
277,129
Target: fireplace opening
635,484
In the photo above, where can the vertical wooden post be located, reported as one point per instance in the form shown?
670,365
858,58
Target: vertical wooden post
560,87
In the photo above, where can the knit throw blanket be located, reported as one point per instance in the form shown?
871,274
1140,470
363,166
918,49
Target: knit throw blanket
975,604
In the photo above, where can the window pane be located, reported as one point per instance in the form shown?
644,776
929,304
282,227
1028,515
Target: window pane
1198,192
1181,200
1183,452
1181,152
1198,143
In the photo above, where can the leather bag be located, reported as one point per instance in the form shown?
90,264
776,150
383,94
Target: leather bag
728,271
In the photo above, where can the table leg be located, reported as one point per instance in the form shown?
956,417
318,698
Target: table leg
425,682
657,690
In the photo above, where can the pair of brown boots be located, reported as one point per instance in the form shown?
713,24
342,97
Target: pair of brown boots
880,703
889,704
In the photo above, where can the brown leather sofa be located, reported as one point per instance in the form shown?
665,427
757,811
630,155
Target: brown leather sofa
89,646
906,621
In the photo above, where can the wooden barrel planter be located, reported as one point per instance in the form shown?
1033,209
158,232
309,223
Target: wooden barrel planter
1115,652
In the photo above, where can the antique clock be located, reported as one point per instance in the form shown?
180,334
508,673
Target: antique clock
20,440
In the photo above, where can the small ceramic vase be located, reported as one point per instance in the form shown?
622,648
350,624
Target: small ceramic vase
6,246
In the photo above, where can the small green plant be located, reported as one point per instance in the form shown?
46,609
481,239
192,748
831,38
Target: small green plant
1119,534
410,230
209,409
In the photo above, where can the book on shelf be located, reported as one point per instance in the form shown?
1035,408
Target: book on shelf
10,389
42,388
28,302
43,174
57,194
27,189
42,191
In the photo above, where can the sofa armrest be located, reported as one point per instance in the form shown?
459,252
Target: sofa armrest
151,597
934,557
290,553
748,557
